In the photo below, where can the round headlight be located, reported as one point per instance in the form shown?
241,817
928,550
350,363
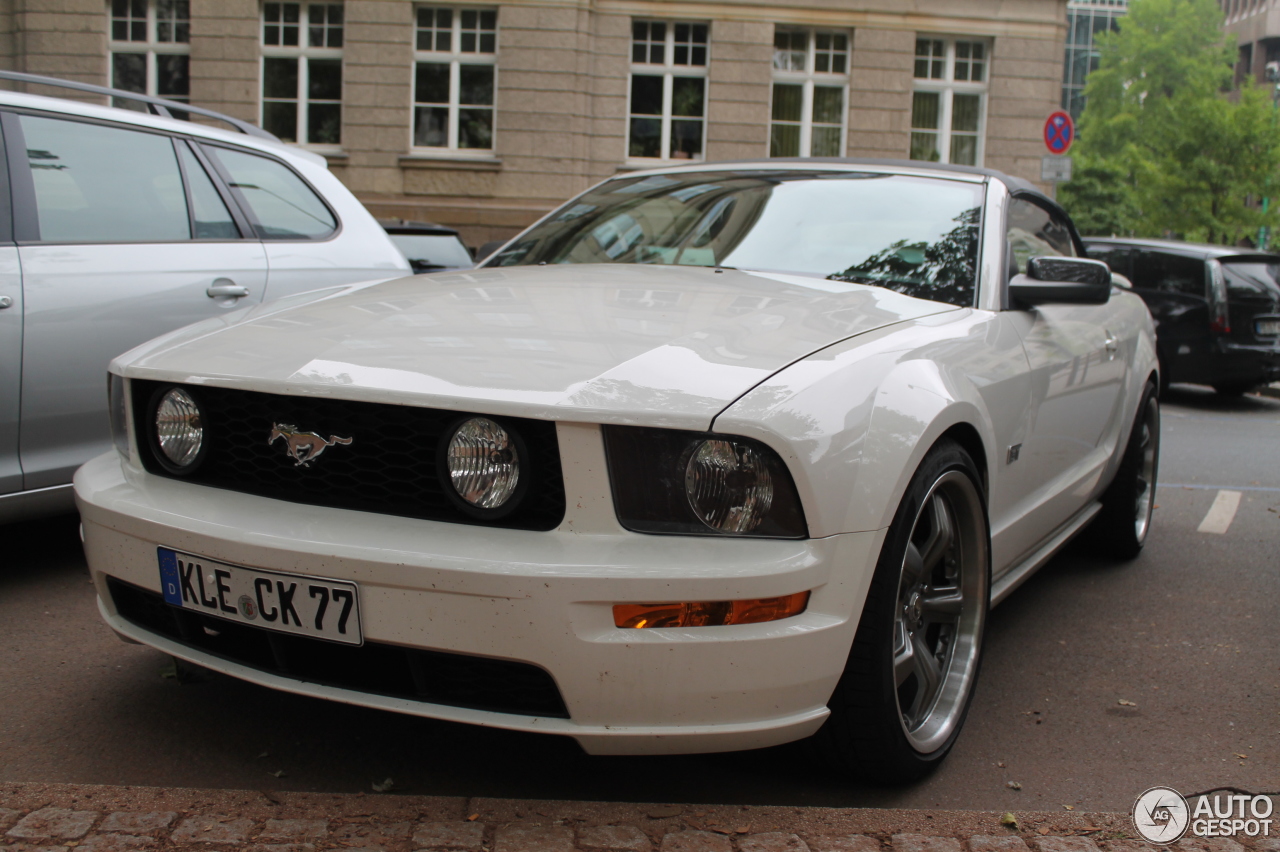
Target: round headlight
729,486
179,428
484,467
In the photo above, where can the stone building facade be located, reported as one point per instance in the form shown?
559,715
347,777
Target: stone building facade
485,115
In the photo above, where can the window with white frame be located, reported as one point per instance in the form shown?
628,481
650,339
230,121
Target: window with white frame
150,47
668,107
810,78
454,78
948,104
302,72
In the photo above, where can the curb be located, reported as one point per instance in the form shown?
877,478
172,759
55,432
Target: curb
90,818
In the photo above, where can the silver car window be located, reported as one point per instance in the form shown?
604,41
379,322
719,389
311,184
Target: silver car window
1036,232
281,202
104,184
209,214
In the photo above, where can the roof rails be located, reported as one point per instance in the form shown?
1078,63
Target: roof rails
155,106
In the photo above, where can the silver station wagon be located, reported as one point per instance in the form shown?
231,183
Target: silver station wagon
118,225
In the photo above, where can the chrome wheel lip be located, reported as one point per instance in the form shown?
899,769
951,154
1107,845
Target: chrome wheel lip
1149,446
935,714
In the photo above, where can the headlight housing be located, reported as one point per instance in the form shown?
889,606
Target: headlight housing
176,429
483,465
694,483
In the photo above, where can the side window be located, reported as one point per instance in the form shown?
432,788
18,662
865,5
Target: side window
1170,273
104,184
1114,257
281,203
1036,232
210,217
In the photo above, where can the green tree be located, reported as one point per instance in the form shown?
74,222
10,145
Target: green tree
1165,145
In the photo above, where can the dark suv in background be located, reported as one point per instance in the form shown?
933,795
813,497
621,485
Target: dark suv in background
1216,308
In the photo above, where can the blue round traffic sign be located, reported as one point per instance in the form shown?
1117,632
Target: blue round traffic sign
1059,132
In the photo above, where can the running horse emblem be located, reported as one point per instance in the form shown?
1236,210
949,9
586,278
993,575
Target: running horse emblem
303,447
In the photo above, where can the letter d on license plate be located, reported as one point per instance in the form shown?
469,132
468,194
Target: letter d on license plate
285,603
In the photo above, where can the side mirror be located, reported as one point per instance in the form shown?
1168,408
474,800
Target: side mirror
1061,280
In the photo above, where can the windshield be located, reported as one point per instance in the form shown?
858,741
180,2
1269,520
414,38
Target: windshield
915,235
1252,279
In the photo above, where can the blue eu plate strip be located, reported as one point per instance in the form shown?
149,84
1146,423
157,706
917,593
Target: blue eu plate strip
170,582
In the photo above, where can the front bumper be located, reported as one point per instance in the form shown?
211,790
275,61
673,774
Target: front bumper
539,598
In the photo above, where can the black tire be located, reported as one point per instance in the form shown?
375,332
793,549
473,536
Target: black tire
912,615
1234,389
1120,529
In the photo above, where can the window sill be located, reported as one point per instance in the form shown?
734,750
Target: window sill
427,161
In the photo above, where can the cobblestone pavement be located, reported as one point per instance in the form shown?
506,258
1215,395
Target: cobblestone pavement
59,818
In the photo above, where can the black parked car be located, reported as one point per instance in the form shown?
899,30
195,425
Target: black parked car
1216,308
427,246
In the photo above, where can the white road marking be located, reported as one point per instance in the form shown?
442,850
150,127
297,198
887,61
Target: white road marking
1218,520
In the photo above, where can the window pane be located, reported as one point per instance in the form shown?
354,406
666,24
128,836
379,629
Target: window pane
964,150
645,138
281,118
784,140
172,80
965,112
212,219
925,109
924,146
826,142
433,83
324,124
475,128
687,96
475,84
283,205
279,77
789,50
101,184
129,72
828,104
788,100
431,127
646,95
324,79
686,140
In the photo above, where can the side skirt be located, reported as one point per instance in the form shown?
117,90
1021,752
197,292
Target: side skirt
1019,573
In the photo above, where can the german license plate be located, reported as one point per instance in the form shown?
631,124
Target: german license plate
1269,327
286,603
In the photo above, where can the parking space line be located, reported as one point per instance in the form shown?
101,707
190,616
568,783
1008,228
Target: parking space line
1220,514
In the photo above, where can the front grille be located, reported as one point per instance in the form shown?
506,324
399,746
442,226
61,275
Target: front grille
434,677
391,466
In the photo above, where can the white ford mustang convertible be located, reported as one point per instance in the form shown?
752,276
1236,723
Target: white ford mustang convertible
710,458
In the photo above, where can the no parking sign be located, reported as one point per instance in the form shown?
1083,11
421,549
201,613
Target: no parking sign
1059,132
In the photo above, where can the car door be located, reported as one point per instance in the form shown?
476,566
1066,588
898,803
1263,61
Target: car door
122,236
10,342
1175,288
1077,360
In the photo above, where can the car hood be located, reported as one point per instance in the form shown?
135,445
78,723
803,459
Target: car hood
663,346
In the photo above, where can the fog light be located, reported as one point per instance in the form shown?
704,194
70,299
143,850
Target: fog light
728,485
484,467
709,613
179,430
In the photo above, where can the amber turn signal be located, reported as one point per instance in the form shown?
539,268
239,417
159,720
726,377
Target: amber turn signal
709,613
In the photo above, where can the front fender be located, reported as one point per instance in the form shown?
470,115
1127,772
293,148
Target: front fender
854,421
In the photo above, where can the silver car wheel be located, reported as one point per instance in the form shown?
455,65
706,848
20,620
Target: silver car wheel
1145,488
940,611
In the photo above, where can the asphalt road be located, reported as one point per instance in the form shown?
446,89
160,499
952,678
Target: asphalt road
1100,680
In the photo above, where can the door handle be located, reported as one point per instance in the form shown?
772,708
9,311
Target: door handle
225,287
1110,344
5,302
